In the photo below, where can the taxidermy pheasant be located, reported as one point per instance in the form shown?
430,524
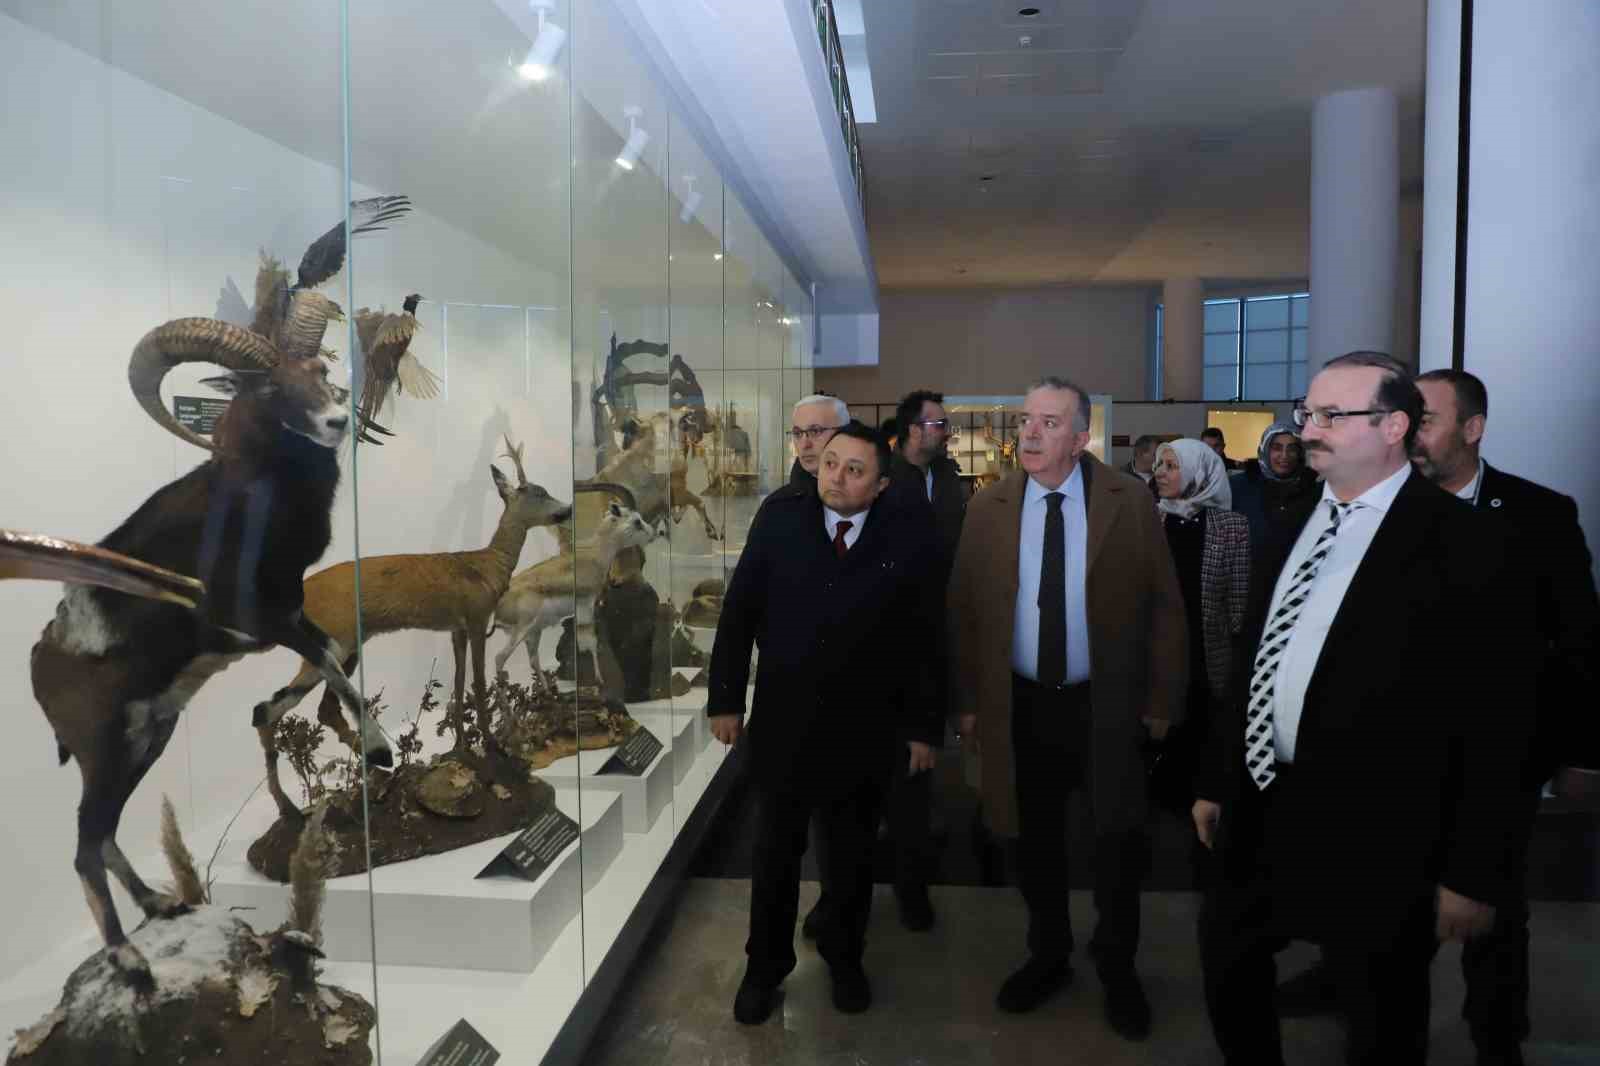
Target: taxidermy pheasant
386,342
294,318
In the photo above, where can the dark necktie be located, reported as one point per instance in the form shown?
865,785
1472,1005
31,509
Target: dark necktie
1053,596
839,546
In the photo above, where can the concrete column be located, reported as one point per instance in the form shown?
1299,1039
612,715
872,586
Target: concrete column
1355,222
1182,337
1531,321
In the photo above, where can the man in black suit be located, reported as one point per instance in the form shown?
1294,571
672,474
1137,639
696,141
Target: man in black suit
834,585
1546,552
1362,796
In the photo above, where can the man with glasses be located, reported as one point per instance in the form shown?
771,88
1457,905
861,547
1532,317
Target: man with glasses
1069,651
813,422
1363,792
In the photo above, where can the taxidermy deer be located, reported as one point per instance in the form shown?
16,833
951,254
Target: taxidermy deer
566,586
113,671
658,494
453,592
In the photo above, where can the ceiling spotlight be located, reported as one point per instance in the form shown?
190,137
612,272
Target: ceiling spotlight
637,139
541,58
691,200
717,256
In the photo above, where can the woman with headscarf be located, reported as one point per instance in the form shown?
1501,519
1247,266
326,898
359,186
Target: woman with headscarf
1211,550
1277,491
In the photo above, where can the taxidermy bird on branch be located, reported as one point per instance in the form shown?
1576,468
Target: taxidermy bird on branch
294,317
388,361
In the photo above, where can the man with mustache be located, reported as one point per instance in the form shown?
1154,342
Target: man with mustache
1068,650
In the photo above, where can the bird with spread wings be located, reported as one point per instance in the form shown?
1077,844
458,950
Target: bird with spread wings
388,360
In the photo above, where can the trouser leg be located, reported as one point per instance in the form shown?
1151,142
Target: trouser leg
780,843
1122,861
1047,735
851,825
909,801
1382,992
1237,949
1495,965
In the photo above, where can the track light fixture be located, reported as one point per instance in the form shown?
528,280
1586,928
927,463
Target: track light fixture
541,58
691,200
637,139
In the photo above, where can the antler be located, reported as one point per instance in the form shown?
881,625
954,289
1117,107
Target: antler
514,453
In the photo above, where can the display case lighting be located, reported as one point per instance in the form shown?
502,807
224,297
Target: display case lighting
637,139
541,58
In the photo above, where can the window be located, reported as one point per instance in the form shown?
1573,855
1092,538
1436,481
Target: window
1255,347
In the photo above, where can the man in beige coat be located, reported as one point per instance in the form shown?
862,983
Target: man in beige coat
1068,651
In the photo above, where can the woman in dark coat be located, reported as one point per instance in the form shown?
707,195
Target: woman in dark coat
1275,492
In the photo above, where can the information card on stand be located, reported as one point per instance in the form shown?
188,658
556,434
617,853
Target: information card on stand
461,1046
532,851
635,755
199,413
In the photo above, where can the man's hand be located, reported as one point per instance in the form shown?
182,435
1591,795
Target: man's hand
1158,728
922,757
727,727
1461,918
1206,815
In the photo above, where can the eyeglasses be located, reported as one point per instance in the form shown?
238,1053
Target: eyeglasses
936,423
812,432
1324,418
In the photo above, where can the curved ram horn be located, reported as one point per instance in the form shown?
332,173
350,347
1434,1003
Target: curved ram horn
621,492
33,555
191,340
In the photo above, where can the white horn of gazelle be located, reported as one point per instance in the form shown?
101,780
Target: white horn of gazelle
191,340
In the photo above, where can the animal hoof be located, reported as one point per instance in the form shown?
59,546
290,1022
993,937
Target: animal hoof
161,905
127,960
258,717
380,757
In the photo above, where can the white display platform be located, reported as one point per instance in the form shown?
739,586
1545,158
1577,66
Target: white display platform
676,728
435,910
643,797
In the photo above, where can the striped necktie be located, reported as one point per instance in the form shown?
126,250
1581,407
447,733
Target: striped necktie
1258,748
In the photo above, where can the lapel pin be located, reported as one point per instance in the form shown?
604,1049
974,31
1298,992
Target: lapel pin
1495,502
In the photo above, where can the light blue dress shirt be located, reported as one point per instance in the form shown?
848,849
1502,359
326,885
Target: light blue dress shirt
1030,557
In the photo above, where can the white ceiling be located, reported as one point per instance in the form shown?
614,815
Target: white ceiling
1128,140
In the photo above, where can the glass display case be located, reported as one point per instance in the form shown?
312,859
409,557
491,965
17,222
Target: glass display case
408,606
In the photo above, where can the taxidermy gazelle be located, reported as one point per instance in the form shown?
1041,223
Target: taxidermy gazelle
388,362
452,592
567,586
113,671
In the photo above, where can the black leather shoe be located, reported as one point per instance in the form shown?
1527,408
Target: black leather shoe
1499,1055
754,1001
916,909
1127,1008
1308,993
852,994
1033,984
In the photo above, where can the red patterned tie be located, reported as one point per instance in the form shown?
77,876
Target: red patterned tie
839,546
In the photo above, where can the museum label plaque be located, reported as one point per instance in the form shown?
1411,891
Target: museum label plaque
198,413
635,755
461,1046
531,851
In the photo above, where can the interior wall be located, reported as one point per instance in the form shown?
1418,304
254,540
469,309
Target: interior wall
995,341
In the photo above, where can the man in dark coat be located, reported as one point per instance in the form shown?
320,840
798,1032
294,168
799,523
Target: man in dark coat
834,586
1363,796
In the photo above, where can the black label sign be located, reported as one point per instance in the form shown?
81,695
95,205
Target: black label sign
461,1046
635,755
198,413
532,851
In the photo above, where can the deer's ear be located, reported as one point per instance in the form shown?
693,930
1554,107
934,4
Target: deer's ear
501,485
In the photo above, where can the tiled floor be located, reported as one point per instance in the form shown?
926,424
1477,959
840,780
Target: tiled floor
934,993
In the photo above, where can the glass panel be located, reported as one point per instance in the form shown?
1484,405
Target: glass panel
1221,383
1269,346
1297,380
1267,381
1221,315
1222,349
1297,345
1300,315
1266,312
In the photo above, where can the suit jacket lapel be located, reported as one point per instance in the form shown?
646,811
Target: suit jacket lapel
1101,496
1010,492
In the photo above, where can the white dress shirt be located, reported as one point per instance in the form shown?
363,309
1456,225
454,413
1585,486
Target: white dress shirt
1356,531
927,479
832,518
1030,557
1469,491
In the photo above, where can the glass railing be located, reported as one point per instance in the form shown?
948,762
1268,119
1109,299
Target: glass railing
833,55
